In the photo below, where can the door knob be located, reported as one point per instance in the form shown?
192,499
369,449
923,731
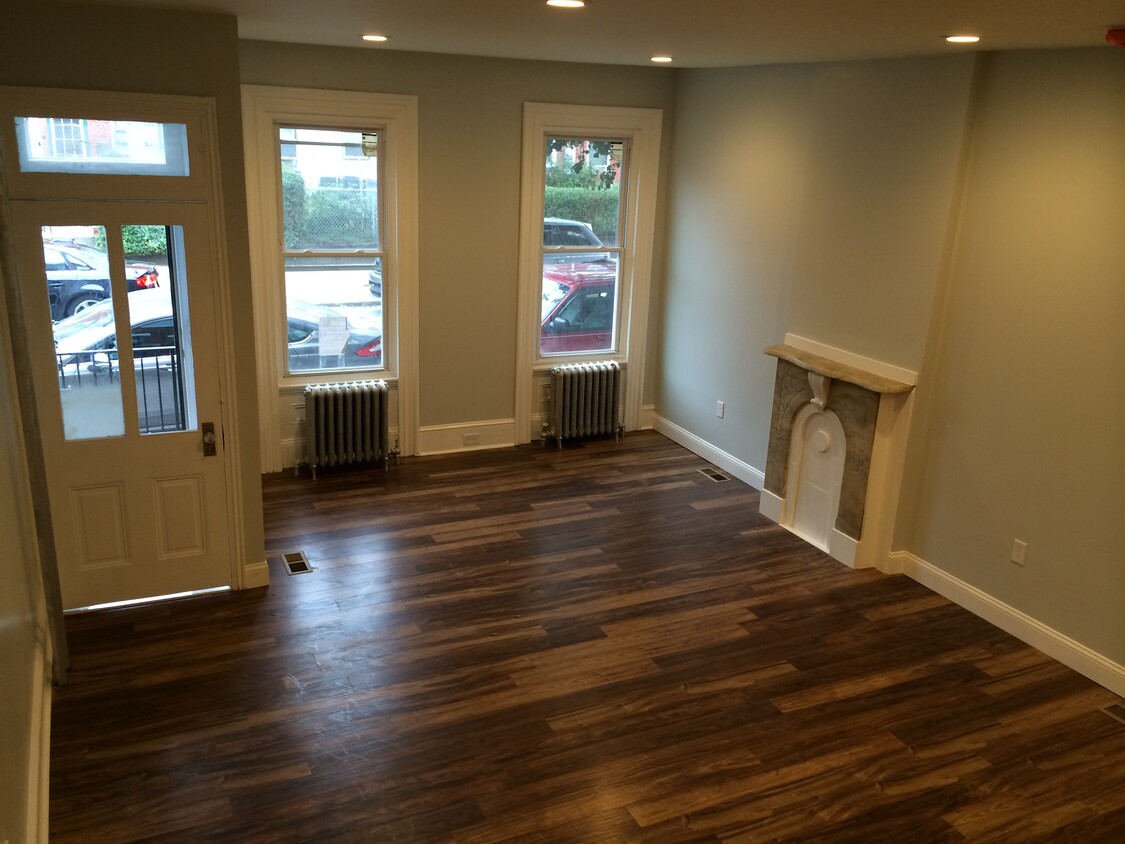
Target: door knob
208,429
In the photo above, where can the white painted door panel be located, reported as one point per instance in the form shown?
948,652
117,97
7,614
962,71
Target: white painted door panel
138,512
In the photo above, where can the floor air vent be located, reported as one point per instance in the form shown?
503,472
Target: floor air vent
296,562
714,474
1115,710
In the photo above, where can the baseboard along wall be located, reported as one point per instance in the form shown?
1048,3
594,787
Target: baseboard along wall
1057,645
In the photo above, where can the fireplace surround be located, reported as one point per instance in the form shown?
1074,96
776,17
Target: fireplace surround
837,439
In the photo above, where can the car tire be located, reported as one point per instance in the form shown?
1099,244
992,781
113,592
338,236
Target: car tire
81,303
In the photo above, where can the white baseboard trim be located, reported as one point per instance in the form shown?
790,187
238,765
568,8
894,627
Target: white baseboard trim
1073,654
255,575
647,419
39,748
292,452
771,506
446,439
843,548
727,462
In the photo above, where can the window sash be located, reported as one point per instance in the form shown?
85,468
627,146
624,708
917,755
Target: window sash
296,364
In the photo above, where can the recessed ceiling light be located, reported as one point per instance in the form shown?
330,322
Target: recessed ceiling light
661,59
567,4
374,38
962,39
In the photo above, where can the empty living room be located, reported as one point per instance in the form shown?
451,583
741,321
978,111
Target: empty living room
566,421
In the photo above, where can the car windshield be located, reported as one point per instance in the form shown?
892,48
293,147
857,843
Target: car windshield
553,292
98,316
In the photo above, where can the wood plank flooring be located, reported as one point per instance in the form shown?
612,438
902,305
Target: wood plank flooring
593,644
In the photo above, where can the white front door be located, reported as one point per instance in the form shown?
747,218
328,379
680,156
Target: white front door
125,360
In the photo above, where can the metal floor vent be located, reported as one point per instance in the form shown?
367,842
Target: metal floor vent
714,474
1116,711
296,562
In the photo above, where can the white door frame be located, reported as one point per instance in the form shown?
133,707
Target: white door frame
203,185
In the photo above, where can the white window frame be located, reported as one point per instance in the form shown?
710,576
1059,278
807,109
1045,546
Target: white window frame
376,253
641,128
265,108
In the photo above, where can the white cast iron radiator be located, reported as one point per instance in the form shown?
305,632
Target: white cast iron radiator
585,400
346,423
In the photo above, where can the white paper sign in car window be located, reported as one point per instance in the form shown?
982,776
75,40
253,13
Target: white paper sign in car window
370,144
333,335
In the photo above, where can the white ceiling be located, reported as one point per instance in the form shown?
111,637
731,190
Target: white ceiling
697,33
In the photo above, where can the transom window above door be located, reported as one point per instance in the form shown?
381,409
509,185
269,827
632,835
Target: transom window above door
91,145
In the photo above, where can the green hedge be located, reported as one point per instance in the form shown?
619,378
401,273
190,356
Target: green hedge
139,241
326,218
596,207
293,203
338,219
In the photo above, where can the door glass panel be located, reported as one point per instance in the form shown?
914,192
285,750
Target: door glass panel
85,335
87,345
87,145
156,278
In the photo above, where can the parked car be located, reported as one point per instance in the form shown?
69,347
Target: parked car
363,349
91,331
78,276
562,234
86,357
578,308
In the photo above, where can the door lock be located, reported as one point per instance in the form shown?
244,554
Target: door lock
208,429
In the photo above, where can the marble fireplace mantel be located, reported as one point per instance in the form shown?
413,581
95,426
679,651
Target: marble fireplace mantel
837,441
838,370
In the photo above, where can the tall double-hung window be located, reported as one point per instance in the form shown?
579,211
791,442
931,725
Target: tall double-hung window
588,211
332,248
332,201
584,240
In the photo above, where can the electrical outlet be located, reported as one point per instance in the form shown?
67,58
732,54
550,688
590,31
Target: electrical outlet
720,409
1019,551
470,439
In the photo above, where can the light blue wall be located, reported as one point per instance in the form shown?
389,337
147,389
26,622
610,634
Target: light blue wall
812,199
1021,422
957,216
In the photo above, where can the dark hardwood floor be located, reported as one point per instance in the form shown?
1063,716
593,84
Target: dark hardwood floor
596,644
